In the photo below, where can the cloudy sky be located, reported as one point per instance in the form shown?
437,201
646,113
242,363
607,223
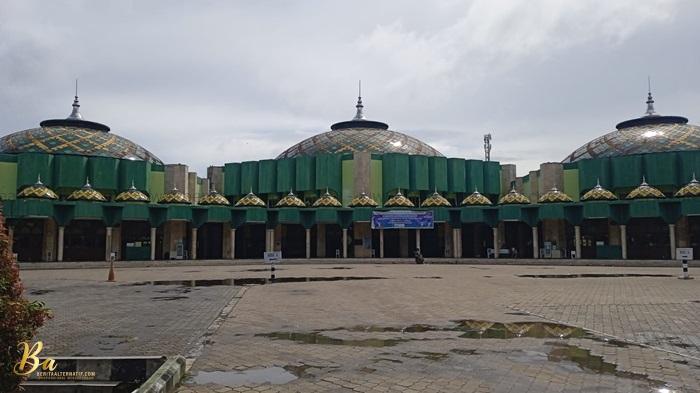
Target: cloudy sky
208,82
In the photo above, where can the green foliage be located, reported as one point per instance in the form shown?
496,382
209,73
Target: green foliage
20,317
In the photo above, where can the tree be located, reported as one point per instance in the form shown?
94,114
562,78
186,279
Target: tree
19,319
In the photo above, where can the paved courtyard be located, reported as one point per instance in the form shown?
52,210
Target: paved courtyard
389,328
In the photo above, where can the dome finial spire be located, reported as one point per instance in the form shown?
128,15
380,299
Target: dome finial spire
75,113
359,115
650,100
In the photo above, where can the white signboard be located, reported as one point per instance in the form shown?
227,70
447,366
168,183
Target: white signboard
684,253
272,257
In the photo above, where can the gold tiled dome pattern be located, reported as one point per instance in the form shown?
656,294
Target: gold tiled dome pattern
74,140
37,191
214,198
513,198
363,200
645,191
598,193
398,200
174,196
554,196
87,193
290,200
691,189
327,200
436,200
476,199
250,200
132,195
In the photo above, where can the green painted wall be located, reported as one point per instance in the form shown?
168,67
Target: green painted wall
348,191
377,181
571,183
232,179
157,187
8,180
29,165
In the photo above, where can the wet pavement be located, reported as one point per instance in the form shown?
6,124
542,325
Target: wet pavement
408,328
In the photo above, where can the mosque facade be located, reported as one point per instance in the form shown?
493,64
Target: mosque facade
73,190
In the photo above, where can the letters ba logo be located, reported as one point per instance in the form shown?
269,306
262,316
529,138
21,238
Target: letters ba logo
30,361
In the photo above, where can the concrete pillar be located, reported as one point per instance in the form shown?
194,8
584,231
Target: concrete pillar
508,175
496,247
108,243
11,238
577,240
345,242
270,244
381,243
623,240
418,239
232,240
153,243
672,236
535,243
457,242
59,251
193,248
49,241
308,243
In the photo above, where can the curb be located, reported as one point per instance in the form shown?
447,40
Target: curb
166,378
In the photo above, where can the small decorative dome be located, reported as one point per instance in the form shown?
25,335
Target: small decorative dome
174,196
290,200
435,200
87,193
476,199
132,195
327,200
555,196
363,200
598,193
250,200
645,191
37,191
398,200
214,198
513,198
691,189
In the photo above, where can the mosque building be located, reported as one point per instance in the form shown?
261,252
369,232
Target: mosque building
73,190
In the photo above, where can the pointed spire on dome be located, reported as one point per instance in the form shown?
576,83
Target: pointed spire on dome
39,183
359,115
133,186
650,101
75,114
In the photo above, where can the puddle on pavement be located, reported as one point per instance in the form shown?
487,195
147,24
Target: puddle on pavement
168,298
429,277
319,338
487,329
593,275
41,291
434,356
249,281
593,363
465,352
336,268
255,376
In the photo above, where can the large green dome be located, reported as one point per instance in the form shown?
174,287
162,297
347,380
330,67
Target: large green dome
650,133
360,135
74,135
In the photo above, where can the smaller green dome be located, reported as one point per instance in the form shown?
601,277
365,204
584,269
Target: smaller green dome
363,200
436,200
691,189
37,191
174,196
87,193
398,200
645,191
214,198
250,200
513,197
327,200
290,200
555,196
476,199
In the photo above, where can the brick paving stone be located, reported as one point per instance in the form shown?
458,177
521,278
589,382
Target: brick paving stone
660,314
